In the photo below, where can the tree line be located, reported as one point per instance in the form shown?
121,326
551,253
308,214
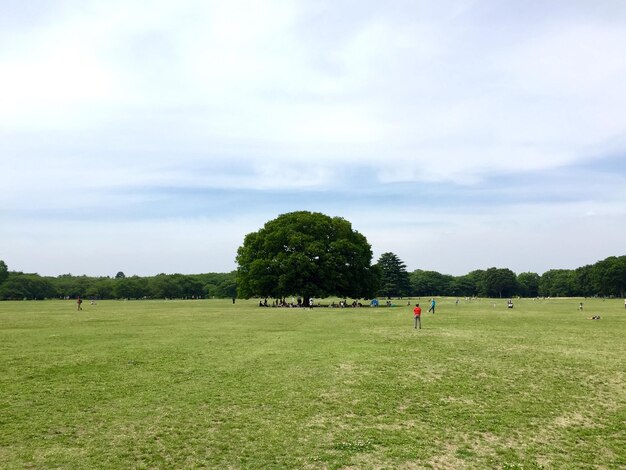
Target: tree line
604,278
18,286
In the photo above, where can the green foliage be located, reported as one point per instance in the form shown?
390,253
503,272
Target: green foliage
605,278
133,287
428,283
308,254
394,279
610,276
219,285
101,288
20,286
463,286
499,282
477,277
584,281
528,284
33,286
557,283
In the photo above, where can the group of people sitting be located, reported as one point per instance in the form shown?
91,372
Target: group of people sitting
301,303
344,304
284,304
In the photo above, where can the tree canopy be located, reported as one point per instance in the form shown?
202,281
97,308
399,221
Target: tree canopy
394,279
528,284
429,283
308,254
499,282
32,286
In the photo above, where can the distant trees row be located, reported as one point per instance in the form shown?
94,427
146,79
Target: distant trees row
604,278
17,286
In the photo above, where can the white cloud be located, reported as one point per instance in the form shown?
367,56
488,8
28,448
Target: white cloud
103,100
399,83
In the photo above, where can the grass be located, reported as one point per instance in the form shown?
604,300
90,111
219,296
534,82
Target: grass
208,384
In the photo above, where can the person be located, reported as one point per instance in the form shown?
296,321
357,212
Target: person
78,302
595,317
311,303
417,313
580,306
432,306
509,303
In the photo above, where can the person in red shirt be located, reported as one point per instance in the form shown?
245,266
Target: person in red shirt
417,313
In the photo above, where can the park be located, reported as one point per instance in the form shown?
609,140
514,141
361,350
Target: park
217,384
313,235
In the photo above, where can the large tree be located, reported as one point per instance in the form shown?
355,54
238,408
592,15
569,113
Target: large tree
394,279
308,254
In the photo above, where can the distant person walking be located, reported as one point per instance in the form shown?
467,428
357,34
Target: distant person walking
417,313
432,306
79,301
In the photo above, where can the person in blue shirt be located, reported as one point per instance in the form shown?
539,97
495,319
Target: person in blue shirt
432,306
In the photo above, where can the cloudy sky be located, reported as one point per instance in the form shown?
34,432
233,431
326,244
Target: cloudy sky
152,136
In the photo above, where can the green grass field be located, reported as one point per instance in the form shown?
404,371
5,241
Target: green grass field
208,384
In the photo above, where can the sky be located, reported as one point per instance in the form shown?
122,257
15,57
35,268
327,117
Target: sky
151,136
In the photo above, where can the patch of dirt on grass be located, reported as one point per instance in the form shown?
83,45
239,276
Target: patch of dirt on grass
464,401
447,460
608,390
426,375
329,423
366,461
346,367
401,426
573,420
315,465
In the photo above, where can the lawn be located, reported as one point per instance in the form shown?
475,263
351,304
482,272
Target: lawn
209,384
